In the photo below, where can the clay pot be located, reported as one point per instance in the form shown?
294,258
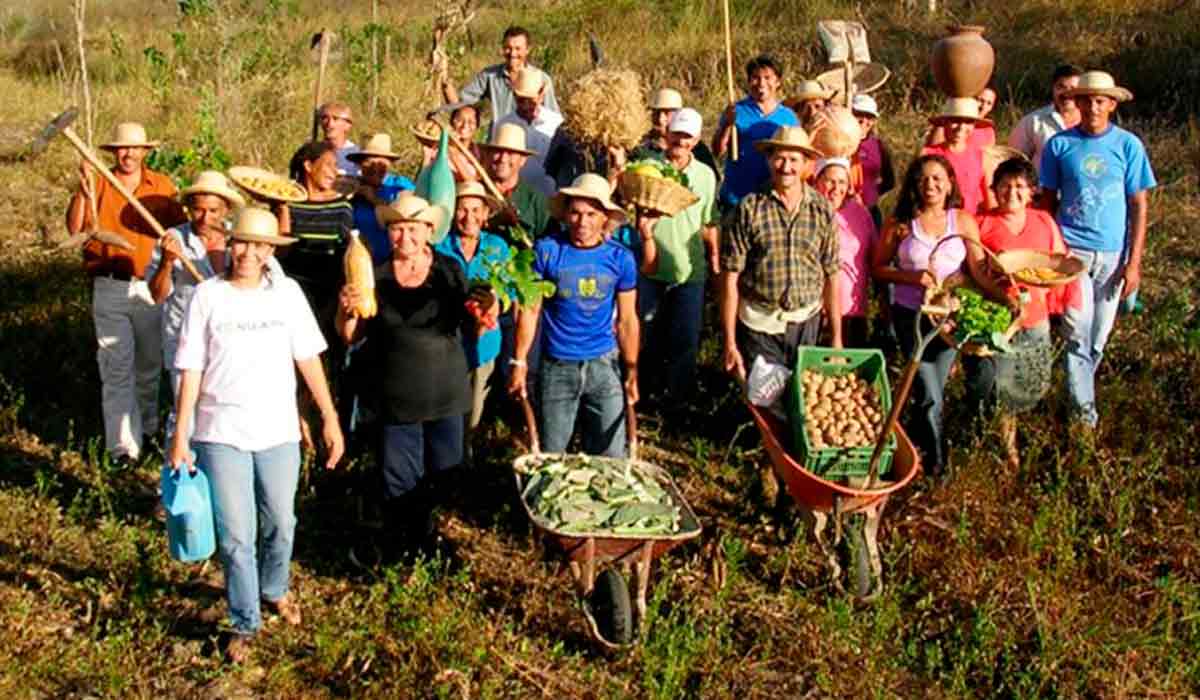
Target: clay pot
962,62
835,132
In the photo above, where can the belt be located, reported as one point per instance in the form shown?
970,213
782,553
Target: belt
119,276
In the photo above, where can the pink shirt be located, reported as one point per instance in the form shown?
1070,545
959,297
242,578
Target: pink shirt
870,157
856,236
981,137
968,172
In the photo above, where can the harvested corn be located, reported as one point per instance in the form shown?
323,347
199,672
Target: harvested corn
361,274
605,108
1039,275
841,411
582,494
264,184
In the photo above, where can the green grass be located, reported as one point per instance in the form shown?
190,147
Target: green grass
1076,576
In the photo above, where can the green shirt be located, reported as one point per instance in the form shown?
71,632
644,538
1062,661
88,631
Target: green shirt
532,211
681,256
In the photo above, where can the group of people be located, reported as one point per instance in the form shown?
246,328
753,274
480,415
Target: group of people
794,241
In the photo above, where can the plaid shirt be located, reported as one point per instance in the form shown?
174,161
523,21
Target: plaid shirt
785,257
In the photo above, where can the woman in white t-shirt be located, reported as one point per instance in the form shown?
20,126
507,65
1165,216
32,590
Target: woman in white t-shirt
242,336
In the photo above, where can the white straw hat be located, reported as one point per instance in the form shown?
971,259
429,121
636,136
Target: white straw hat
409,207
378,146
812,90
1097,82
508,137
472,188
586,186
129,135
256,225
666,98
214,183
789,138
529,83
960,109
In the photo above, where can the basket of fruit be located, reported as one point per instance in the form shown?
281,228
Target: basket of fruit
267,186
838,402
656,186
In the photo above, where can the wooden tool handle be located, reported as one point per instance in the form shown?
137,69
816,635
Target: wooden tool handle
125,193
729,75
535,444
631,430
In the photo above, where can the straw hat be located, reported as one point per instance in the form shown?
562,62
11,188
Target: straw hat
1097,82
378,146
256,225
529,83
508,137
409,207
428,132
215,183
789,138
129,135
666,98
586,186
812,90
471,188
960,109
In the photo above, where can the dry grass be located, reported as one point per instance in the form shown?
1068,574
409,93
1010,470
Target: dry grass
1078,576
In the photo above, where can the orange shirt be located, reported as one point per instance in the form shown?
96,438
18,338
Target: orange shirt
157,193
1039,233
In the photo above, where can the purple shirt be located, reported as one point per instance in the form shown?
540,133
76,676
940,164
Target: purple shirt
913,255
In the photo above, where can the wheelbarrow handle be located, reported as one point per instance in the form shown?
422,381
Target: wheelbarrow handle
535,443
631,429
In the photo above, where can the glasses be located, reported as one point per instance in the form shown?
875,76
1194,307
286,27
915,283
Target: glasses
336,118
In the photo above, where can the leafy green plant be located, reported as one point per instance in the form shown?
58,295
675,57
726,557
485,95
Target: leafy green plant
204,152
514,281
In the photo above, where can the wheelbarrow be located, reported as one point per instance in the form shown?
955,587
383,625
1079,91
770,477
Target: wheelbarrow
601,564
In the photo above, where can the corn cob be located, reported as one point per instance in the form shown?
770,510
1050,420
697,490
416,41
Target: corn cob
360,273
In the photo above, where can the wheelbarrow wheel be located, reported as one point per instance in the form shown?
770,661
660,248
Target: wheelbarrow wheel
612,608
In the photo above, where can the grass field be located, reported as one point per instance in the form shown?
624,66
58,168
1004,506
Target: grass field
1077,576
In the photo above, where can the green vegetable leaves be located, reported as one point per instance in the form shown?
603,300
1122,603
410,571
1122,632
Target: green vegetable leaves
514,280
581,494
980,320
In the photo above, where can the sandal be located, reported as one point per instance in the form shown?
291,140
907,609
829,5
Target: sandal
287,608
240,646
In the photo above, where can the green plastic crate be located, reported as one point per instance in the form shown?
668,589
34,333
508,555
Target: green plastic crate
838,462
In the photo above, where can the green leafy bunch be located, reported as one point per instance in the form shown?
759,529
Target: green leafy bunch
979,319
514,281
668,171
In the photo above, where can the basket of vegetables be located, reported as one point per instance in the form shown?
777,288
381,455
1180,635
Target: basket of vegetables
981,327
656,186
838,402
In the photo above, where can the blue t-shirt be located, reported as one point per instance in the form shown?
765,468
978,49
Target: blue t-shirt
1094,177
374,235
578,319
492,248
750,170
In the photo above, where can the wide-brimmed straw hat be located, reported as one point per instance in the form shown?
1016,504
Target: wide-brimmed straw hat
960,109
409,207
529,83
214,183
471,188
129,135
666,98
508,137
256,225
378,146
811,90
789,138
1097,82
586,186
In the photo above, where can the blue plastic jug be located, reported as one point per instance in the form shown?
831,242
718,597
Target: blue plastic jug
191,532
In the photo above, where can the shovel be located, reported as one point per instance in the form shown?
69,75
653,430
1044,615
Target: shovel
320,45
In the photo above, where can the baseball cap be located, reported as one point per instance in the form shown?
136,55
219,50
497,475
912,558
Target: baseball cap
687,121
865,104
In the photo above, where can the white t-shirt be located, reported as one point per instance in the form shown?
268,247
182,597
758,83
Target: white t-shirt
538,135
246,341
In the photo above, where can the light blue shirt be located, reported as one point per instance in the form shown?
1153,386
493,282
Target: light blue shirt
1095,176
492,249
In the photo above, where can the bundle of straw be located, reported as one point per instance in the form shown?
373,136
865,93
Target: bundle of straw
606,107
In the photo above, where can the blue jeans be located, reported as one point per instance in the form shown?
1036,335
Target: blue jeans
408,451
254,495
929,388
1088,327
671,316
591,389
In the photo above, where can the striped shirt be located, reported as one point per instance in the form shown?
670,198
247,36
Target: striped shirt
323,229
785,257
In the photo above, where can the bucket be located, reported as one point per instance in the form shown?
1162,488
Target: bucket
191,532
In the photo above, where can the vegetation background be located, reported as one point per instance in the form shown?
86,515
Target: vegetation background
1076,576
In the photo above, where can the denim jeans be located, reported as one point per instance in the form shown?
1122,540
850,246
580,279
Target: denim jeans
671,316
410,451
929,388
1088,327
591,389
254,495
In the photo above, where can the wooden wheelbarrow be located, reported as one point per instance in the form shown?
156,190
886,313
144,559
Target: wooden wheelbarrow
602,562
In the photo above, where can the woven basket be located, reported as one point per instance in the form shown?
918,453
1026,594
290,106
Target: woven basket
658,194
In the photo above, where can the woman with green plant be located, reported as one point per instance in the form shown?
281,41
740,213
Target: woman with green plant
414,354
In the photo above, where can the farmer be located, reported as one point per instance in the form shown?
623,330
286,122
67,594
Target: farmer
1030,134
959,116
671,298
779,262
1095,176
857,237
474,249
128,322
810,98
664,104
495,83
376,186
984,133
429,134
756,117
245,336
539,124
873,161
504,157
336,121
581,368
420,369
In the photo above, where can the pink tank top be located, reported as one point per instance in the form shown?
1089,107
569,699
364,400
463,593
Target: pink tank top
913,255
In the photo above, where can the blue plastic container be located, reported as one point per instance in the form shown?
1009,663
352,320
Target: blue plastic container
187,497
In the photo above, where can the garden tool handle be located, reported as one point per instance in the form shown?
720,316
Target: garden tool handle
535,443
125,193
631,429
